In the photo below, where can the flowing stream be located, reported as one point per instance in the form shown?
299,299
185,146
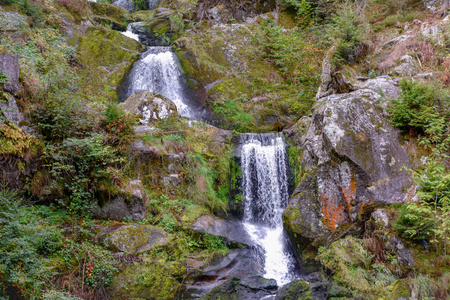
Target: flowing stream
265,188
158,71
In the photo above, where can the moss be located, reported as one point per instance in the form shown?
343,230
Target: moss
150,279
106,55
400,288
113,13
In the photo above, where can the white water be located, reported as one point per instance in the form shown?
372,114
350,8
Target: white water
265,190
158,71
129,33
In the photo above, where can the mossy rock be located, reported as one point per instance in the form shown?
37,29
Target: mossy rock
114,13
297,290
149,279
107,56
400,289
136,239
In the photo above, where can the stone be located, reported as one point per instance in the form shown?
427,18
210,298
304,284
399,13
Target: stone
230,230
397,40
130,6
9,65
173,180
298,290
135,239
127,203
10,111
385,86
242,263
424,75
407,67
150,107
352,160
381,217
254,288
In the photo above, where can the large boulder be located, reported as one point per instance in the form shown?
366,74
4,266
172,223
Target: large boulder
136,239
150,107
408,67
352,161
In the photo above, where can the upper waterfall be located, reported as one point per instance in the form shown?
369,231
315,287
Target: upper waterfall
158,71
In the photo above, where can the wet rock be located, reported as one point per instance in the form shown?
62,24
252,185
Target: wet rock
135,239
352,160
242,263
150,107
127,203
231,230
9,65
252,288
407,67
298,290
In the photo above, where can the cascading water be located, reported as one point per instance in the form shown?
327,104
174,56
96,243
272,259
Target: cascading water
129,33
158,71
265,189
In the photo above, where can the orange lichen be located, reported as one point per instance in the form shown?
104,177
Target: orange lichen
349,194
333,213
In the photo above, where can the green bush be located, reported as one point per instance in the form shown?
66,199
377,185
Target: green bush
347,31
235,116
26,232
420,111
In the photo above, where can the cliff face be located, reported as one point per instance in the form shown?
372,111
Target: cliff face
352,161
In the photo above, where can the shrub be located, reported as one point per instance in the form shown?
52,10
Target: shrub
25,234
347,31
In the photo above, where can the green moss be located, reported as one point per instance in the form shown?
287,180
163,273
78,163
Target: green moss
150,279
114,13
107,55
400,288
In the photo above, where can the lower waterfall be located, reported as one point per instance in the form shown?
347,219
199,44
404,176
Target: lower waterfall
265,190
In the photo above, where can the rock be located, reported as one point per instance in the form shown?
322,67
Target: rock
325,77
434,32
254,288
9,65
110,15
242,263
172,180
352,160
400,289
148,279
130,6
11,111
135,239
397,40
150,107
386,86
404,256
231,230
298,290
381,217
407,67
424,75
128,203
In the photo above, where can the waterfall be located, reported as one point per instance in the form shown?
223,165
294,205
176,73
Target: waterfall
158,71
265,191
129,33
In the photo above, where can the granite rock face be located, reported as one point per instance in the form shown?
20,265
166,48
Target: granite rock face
352,161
